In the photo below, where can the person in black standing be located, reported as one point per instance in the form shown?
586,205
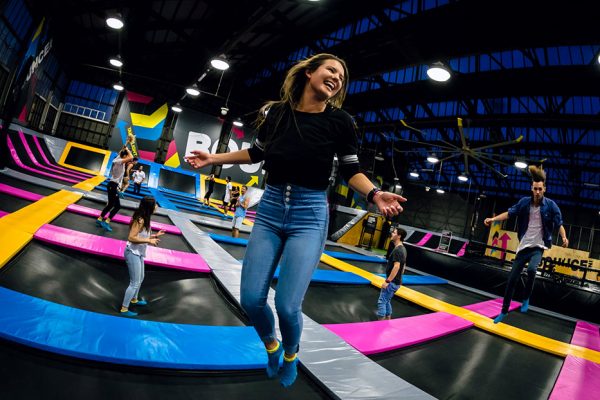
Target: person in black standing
211,186
396,263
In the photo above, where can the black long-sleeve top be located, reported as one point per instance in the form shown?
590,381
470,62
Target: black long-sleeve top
301,152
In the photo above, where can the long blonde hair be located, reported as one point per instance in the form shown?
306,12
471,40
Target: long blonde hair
295,81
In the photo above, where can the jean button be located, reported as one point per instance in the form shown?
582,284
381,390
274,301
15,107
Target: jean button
289,188
287,193
287,199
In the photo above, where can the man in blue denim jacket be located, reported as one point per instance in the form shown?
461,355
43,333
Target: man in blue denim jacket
537,217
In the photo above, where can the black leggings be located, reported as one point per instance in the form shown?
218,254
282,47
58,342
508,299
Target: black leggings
113,200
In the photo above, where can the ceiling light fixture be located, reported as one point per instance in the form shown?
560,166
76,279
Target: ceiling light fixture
438,72
238,122
414,174
432,159
440,191
520,164
177,108
115,21
379,157
193,90
463,177
118,86
116,61
220,63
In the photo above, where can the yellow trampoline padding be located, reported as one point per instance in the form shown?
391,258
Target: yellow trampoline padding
29,219
506,331
90,183
13,240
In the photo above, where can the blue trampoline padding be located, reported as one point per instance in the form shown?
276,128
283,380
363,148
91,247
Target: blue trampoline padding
73,332
420,280
355,257
330,276
162,200
228,239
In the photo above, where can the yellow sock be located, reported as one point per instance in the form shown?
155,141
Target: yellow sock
134,301
107,220
290,359
274,349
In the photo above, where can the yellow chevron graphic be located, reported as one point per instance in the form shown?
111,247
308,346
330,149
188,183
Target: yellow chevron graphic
150,121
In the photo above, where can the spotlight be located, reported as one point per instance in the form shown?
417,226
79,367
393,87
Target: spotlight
463,177
440,191
520,164
115,21
224,110
118,86
379,157
438,72
193,90
220,63
116,61
414,174
427,188
238,122
177,108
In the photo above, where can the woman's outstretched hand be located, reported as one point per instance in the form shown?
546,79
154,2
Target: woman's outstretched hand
389,203
199,159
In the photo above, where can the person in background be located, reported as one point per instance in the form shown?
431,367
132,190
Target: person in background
227,195
140,235
298,136
235,195
211,186
240,212
537,217
396,263
116,176
138,178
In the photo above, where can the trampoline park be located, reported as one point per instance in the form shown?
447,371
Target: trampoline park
62,275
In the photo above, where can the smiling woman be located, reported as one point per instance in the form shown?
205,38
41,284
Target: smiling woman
298,136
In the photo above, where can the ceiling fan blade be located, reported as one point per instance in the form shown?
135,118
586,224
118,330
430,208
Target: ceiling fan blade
491,167
491,146
466,159
483,155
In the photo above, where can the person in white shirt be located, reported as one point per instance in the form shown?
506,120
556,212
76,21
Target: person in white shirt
138,178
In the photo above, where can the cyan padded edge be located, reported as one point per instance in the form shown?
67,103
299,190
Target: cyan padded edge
329,276
199,210
355,257
420,280
72,332
228,239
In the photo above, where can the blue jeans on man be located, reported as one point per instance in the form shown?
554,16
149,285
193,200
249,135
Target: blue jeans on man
384,303
531,255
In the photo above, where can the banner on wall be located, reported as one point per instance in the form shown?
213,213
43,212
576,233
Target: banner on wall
198,131
557,259
31,68
143,117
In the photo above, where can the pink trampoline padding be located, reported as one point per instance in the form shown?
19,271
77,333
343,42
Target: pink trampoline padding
122,219
462,250
18,161
425,239
379,336
586,335
491,308
57,167
578,379
3,213
16,192
114,248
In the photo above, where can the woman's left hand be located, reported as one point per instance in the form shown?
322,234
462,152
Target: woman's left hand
389,203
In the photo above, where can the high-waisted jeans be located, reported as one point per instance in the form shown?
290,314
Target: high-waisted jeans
135,264
291,224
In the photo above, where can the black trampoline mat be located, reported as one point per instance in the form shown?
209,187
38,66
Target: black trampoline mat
34,374
450,294
11,204
545,325
98,284
474,364
220,231
336,304
83,223
30,187
97,205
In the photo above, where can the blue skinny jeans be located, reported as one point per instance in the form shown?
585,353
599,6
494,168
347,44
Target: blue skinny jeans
135,264
291,225
384,303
